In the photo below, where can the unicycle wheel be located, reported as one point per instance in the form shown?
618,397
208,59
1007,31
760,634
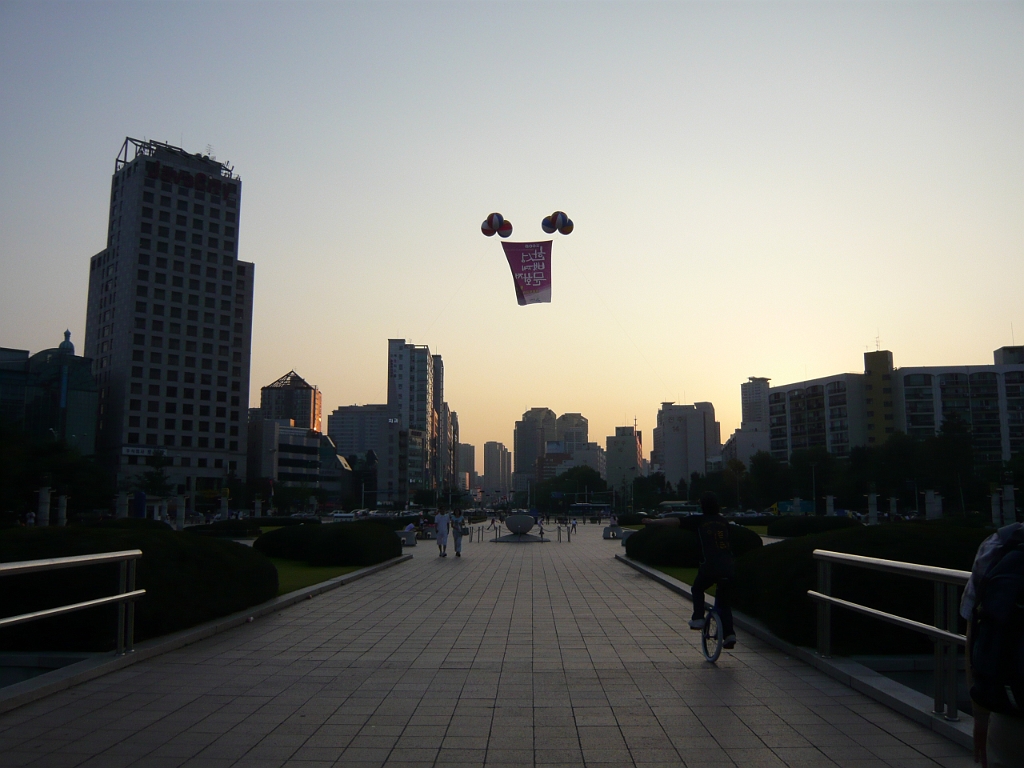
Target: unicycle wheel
711,638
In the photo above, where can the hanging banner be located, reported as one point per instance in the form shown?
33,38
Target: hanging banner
531,270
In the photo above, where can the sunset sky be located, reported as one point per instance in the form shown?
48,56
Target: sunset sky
758,189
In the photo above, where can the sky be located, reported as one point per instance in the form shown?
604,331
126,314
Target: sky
758,189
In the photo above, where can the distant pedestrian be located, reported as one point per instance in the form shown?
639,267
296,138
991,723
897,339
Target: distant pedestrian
573,528
457,520
441,523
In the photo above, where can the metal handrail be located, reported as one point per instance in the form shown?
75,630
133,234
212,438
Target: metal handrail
125,598
946,581
930,572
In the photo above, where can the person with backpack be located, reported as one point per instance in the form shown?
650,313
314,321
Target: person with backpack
993,606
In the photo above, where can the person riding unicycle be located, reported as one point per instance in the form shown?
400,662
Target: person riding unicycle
717,567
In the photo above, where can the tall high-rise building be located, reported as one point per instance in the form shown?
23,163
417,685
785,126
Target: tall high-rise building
467,464
291,397
572,431
416,397
356,429
169,319
754,397
532,434
624,459
686,438
497,481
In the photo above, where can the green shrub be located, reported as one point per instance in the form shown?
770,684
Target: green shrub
233,529
680,547
631,518
772,584
360,543
188,580
797,525
131,524
280,521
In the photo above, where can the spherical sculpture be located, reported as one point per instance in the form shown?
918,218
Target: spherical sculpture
547,225
487,229
519,523
505,229
495,220
558,219
566,228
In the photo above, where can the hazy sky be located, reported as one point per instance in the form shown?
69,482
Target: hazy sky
758,189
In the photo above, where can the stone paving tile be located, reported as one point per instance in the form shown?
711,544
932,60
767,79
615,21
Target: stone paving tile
531,655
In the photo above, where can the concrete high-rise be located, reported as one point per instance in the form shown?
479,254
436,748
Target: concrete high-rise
497,481
291,397
754,400
169,319
686,438
624,459
572,431
532,434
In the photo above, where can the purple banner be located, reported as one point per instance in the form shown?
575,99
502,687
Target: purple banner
531,269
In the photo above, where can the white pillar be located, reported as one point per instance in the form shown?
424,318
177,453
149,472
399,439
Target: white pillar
62,510
1009,507
872,509
179,514
223,507
932,505
122,504
257,508
830,506
796,506
892,507
43,513
997,509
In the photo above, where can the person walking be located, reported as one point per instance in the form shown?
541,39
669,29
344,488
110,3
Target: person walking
441,524
573,528
457,521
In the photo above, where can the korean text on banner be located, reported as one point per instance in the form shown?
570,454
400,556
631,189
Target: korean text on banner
531,270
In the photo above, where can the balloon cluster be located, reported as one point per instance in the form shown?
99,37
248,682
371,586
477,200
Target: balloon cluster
557,222
496,223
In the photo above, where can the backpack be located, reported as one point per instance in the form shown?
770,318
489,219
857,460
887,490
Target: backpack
997,628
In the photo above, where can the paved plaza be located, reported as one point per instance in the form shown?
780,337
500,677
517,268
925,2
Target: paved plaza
538,654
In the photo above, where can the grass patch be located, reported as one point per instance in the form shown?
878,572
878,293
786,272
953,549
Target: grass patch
685,575
295,574
760,530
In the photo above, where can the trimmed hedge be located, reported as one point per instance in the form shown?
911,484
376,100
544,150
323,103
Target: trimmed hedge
360,543
232,529
680,547
188,580
280,521
798,525
632,518
772,584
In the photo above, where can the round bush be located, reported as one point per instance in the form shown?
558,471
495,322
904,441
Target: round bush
772,584
188,580
680,547
360,543
231,529
796,525
282,521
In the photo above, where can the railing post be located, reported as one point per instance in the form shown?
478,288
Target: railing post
939,678
952,712
824,610
122,583
130,643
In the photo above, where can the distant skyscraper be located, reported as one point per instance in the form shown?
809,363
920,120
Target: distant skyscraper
572,431
467,462
754,396
290,397
356,429
624,458
686,438
497,470
416,397
169,319
532,433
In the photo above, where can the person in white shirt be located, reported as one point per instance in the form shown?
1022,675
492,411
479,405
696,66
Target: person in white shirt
457,521
441,521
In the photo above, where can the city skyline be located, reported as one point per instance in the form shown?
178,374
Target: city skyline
757,190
